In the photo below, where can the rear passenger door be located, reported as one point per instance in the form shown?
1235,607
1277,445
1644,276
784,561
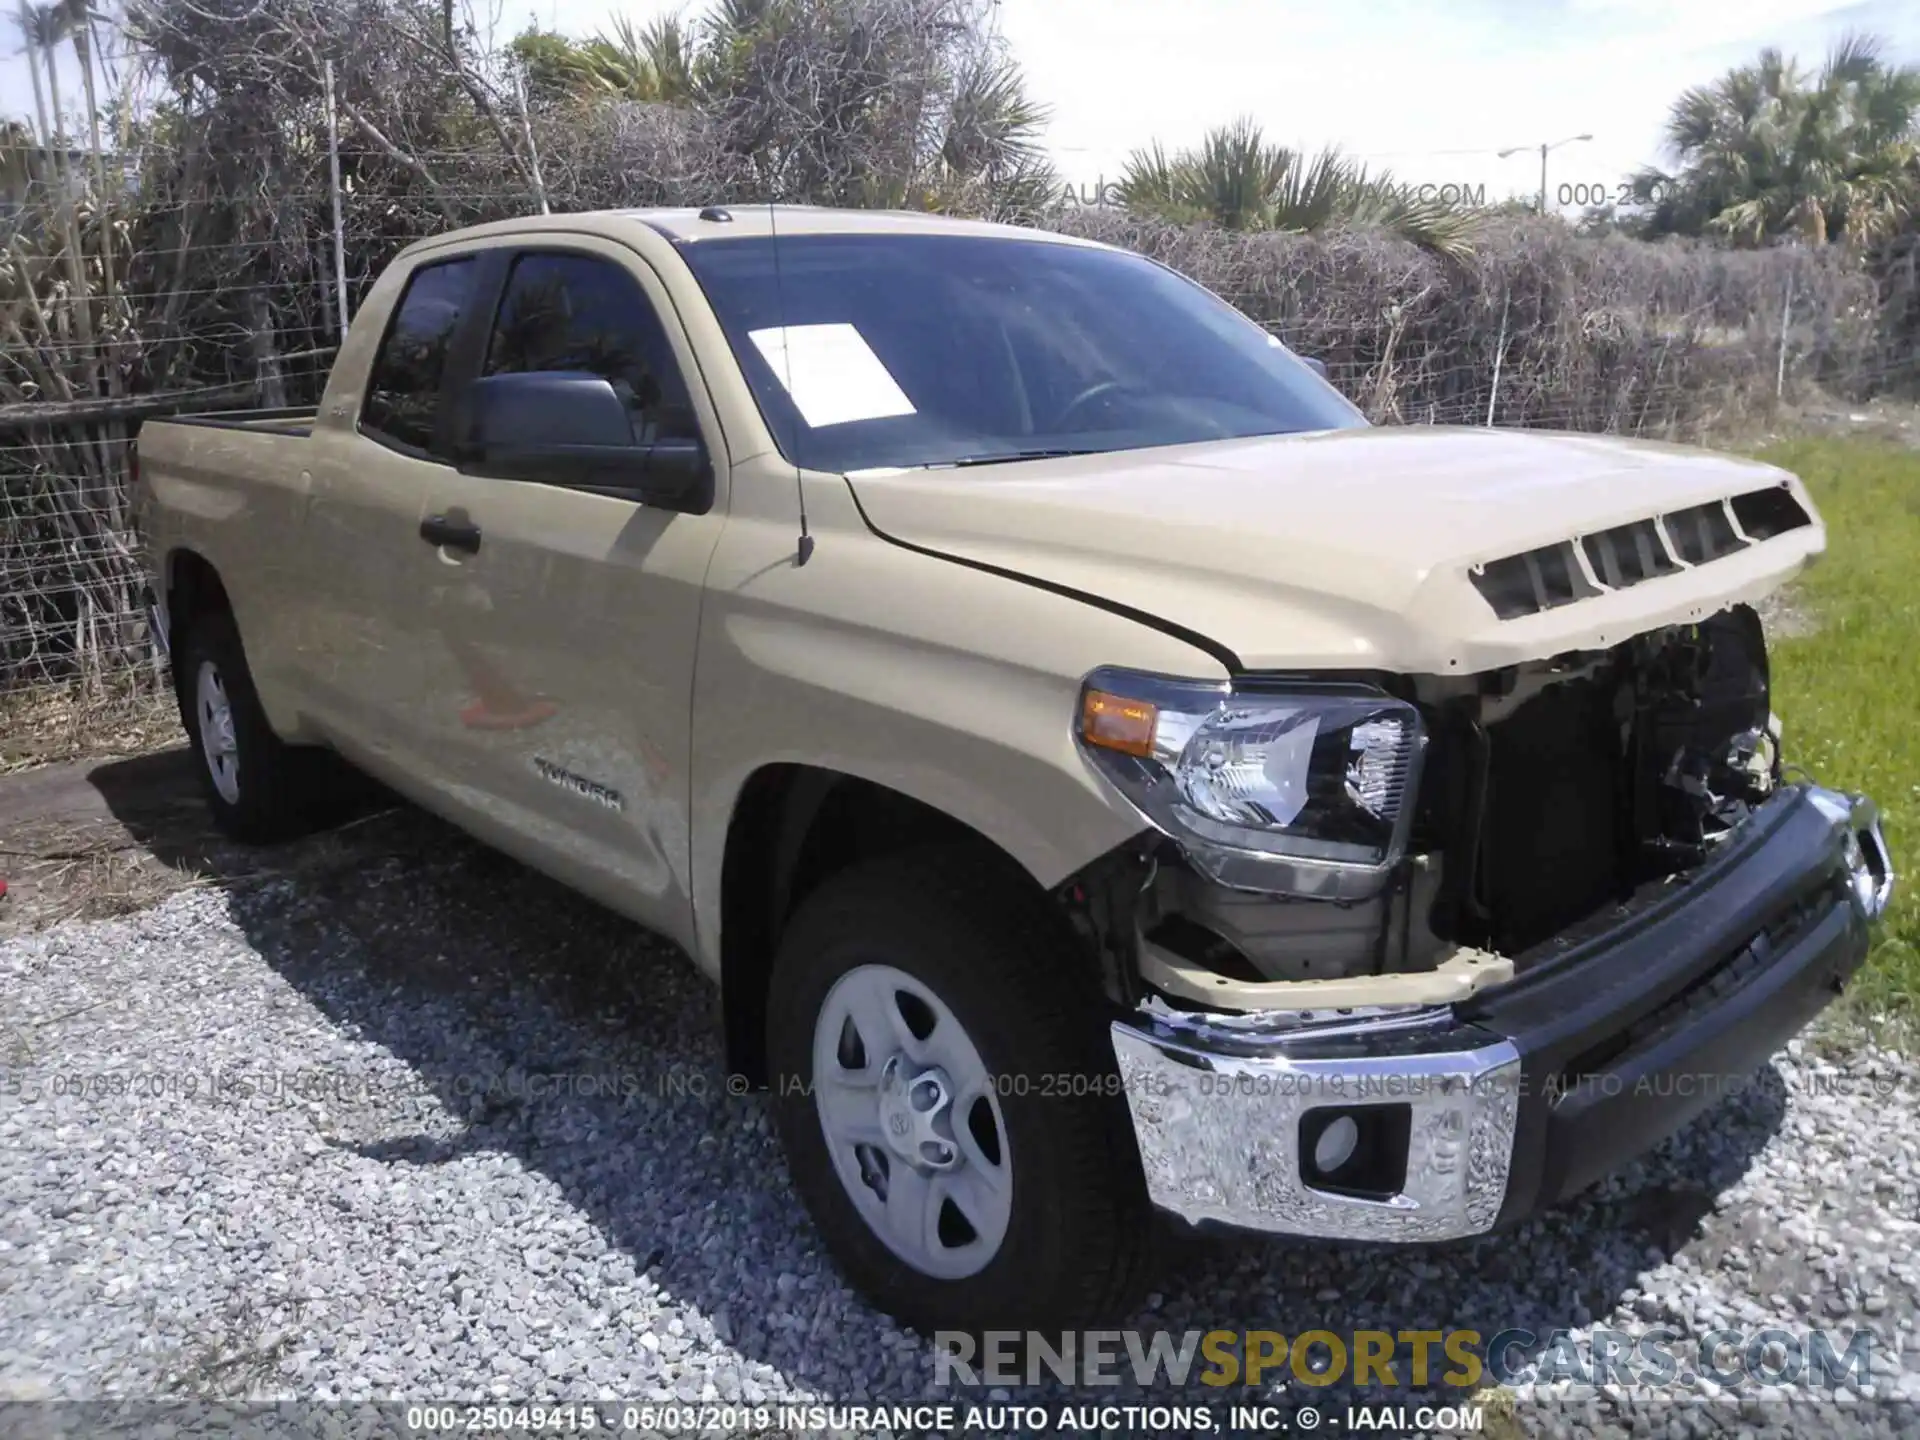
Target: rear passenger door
373,456
560,685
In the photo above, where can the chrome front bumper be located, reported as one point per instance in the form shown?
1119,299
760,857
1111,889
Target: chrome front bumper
1218,1108
1704,986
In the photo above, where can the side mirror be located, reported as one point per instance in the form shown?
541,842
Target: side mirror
1317,366
571,428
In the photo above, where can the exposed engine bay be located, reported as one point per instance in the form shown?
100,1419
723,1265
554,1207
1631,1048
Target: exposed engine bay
1559,790
1550,793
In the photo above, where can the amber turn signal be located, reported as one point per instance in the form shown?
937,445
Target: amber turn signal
1117,723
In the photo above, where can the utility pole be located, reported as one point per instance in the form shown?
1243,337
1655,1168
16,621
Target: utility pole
1545,147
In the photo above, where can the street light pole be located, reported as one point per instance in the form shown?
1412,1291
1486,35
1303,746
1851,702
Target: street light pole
1544,148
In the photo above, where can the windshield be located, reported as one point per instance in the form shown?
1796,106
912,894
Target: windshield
877,351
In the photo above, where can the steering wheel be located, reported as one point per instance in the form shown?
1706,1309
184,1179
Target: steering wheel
1091,393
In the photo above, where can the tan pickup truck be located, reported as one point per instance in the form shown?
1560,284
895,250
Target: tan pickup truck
1102,772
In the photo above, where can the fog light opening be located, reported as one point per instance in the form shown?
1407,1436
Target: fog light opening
1356,1150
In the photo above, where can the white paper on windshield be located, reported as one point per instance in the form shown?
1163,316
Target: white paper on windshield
831,373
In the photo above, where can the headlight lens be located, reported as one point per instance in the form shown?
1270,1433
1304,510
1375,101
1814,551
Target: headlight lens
1304,791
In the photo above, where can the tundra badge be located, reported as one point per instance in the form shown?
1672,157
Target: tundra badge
579,784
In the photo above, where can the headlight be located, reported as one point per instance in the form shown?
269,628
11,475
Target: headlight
1301,790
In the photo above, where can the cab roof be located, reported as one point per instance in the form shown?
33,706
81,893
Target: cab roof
689,225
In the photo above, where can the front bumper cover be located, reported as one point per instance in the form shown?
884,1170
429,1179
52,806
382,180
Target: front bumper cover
1604,1044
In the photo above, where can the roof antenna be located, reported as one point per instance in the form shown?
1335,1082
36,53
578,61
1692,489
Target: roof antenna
805,552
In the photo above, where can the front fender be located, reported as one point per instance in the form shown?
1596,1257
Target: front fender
959,691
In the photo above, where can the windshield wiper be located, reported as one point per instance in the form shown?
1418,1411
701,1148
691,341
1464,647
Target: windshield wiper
1004,457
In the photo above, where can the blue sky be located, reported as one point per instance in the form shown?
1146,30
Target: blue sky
1430,90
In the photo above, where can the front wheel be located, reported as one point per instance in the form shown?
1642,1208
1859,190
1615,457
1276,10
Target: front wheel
947,1097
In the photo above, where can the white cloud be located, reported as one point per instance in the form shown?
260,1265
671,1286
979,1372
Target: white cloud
1406,85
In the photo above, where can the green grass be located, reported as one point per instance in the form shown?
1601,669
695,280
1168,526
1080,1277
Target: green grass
1848,694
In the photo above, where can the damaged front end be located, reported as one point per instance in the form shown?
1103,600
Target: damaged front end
1383,939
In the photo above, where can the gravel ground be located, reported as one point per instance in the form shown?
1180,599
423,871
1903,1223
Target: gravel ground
429,1127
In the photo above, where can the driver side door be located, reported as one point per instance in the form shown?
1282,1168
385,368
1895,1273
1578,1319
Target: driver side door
559,688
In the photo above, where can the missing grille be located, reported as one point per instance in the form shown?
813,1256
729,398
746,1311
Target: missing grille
1702,532
1763,514
1625,555
1531,582
1628,554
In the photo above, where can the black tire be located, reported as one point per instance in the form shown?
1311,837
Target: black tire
282,790
996,955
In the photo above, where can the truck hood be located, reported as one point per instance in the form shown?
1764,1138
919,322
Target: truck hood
1416,550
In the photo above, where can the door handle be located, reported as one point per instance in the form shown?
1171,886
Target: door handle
454,534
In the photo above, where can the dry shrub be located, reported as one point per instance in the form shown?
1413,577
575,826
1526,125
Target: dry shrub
1607,334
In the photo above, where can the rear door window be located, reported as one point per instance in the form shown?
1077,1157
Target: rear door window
404,389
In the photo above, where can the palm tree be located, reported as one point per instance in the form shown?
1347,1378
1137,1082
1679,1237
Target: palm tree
1769,151
546,62
44,27
908,105
1235,179
652,63
38,30
992,126
916,106
77,20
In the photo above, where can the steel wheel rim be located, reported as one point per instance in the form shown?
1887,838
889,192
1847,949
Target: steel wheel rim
219,747
912,1122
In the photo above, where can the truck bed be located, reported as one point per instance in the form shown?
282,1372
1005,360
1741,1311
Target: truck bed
297,420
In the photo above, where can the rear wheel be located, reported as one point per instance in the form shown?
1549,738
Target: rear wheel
947,1097
258,787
